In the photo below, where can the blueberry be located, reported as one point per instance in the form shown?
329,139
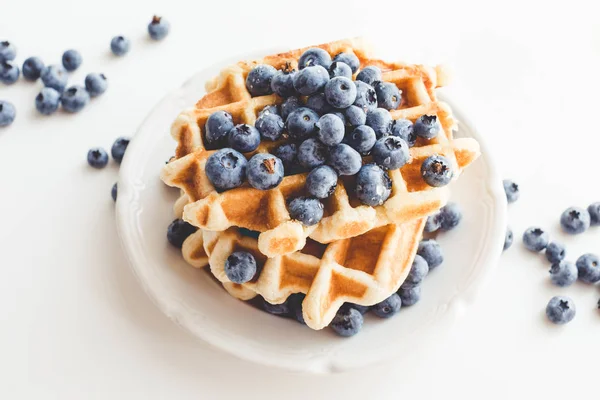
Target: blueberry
281,310
282,82
118,148
47,101
410,295
32,68
512,191
563,273
71,60
433,222
240,267
349,59
8,113
55,77
560,310
270,109
8,51
74,99
345,160
96,84
431,251
380,120
270,126
248,233
390,152
427,126
388,95
403,128
113,192
312,153
436,171
264,171
258,81
321,182
295,303
508,239
318,103
535,239
311,80
307,210
300,124
314,56
119,45
340,69
588,267
287,153
575,220
361,309
555,252
290,104
341,116
9,72
330,129
373,185
226,169
244,138
178,231
369,75
450,216
594,211
340,92
97,157
418,272
388,307
355,116
158,28
366,98
347,322
362,139
217,127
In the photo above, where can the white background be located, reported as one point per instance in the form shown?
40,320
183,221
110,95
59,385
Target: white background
73,322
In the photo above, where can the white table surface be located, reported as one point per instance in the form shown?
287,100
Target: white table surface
73,322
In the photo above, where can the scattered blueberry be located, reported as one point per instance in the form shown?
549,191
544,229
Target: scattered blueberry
300,124
388,307
8,113
96,84
307,210
287,153
118,149
594,211
450,216
355,116
8,51
330,129
270,126
113,192
410,295
560,310
427,126
244,138
347,322
258,81
32,68
9,72
433,222
47,101
311,80
436,171
418,272
312,153
588,267
71,60
349,59
264,171
345,160
390,152
555,252
340,69
74,99
321,182
362,139
369,75
575,220
97,157
388,95
366,98
226,168
295,303
373,185
290,104
119,45
508,239
178,231
563,273
380,120
281,310
318,103
55,77
314,56
512,191
240,267
431,251
340,92
217,127
158,28
403,128
282,82
535,239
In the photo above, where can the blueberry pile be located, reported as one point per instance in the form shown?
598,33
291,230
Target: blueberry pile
330,122
55,77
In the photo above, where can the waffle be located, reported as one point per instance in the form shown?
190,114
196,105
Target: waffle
345,217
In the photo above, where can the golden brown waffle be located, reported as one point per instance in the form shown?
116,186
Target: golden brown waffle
265,211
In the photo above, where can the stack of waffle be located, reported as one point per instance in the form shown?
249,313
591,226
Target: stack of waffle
356,253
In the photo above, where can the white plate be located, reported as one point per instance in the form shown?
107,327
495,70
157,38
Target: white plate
200,305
